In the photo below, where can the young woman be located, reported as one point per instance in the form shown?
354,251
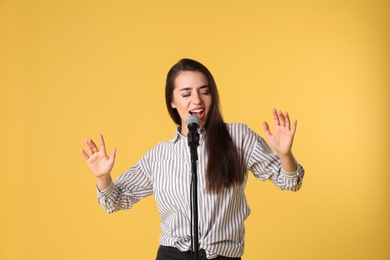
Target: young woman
226,153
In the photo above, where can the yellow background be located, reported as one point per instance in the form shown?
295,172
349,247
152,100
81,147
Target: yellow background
72,69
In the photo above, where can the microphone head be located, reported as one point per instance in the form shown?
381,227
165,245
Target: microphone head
192,120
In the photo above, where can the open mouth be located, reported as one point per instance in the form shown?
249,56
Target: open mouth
198,112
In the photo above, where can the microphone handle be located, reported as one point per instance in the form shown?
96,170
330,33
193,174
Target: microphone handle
193,135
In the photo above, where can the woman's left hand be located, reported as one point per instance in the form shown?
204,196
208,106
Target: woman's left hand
281,139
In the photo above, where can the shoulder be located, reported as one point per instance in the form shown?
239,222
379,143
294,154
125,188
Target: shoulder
239,129
246,139
163,150
158,148
241,133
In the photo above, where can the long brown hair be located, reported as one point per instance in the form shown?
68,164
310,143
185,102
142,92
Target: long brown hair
223,168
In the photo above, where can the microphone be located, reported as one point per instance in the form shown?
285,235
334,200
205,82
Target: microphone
193,124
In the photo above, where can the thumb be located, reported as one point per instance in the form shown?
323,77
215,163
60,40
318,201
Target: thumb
113,155
266,129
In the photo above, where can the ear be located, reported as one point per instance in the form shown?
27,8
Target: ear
173,104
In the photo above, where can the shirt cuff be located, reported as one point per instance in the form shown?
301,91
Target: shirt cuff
107,191
291,174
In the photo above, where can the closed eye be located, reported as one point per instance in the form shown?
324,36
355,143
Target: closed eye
205,90
186,92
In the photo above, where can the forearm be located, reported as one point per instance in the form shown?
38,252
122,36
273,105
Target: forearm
288,162
128,189
291,174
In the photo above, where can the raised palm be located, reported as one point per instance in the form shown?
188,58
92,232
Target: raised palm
281,139
97,160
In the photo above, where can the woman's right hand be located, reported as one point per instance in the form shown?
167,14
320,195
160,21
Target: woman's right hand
97,160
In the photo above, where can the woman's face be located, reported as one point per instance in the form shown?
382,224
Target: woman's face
191,96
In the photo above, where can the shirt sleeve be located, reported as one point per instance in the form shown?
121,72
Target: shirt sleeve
128,189
264,163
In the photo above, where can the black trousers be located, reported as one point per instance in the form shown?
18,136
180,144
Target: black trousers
172,253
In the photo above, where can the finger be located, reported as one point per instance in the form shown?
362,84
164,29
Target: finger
93,146
88,145
276,118
84,154
102,144
294,126
281,118
266,129
287,120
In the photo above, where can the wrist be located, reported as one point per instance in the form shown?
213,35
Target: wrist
288,162
288,154
103,181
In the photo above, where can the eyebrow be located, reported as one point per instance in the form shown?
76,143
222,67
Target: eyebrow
202,87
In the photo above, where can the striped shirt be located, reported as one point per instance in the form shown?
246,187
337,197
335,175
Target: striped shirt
165,171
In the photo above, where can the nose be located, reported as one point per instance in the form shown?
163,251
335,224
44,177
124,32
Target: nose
196,98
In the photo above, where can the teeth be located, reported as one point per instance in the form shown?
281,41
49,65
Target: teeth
197,111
